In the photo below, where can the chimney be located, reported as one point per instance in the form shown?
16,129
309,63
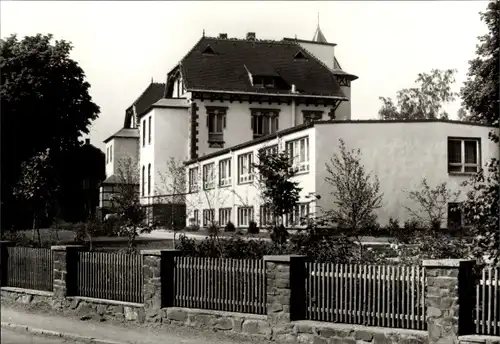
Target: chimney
251,36
223,35
87,141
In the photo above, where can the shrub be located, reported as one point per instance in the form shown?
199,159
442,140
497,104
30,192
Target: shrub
213,229
230,227
192,228
253,228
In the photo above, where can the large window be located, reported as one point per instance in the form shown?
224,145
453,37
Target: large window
208,217
225,172
143,132
111,153
299,215
216,122
149,179
143,178
196,217
224,216
270,150
149,130
245,215
463,155
299,153
264,122
456,219
245,162
193,179
209,176
266,216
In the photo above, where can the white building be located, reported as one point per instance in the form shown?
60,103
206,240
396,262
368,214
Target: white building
399,153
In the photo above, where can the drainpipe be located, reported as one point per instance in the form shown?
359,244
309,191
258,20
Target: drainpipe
293,107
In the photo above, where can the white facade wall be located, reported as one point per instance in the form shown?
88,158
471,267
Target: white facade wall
120,149
236,195
401,155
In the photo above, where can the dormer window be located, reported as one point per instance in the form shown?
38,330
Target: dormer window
299,55
208,50
263,81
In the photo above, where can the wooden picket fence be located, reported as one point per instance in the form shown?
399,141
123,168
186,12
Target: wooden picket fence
232,285
386,296
487,313
30,268
110,276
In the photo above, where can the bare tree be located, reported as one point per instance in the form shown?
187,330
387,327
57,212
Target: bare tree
356,192
432,203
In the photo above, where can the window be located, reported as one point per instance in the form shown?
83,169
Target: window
149,179
216,122
208,176
310,116
266,216
245,215
111,153
224,216
225,172
245,168
299,153
299,215
264,122
193,179
149,130
196,217
107,155
208,217
463,155
456,219
142,180
143,132
271,150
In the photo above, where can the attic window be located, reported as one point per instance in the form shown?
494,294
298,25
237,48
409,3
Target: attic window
263,81
299,56
208,50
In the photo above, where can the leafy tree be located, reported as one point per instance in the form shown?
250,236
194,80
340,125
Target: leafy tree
356,192
44,100
278,191
480,91
37,188
432,204
480,97
125,202
422,102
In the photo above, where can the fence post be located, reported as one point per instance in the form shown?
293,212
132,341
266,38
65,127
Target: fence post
4,257
158,274
285,291
449,299
65,279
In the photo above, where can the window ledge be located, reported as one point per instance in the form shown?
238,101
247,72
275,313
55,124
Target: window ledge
243,183
224,186
462,173
301,173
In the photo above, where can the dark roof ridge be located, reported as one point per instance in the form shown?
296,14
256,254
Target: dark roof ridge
307,41
261,41
146,89
301,127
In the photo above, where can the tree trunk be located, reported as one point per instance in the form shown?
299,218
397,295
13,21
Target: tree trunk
36,230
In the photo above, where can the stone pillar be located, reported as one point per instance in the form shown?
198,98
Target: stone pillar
4,256
65,260
285,292
158,286
449,299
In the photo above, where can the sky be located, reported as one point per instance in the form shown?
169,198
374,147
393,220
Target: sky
122,45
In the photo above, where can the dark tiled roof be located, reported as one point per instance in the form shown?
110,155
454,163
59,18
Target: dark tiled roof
225,70
124,133
154,92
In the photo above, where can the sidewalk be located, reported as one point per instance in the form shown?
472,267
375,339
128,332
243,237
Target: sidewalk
114,333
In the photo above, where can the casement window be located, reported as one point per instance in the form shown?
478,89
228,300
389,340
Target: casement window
196,216
209,176
264,122
149,179
224,216
143,179
245,162
216,122
298,151
266,216
149,130
245,215
107,155
143,132
299,215
267,151
464,155
208,217
193,179
110,153
225,172
310,116
456,218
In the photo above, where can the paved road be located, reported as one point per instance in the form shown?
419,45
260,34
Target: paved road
11,337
